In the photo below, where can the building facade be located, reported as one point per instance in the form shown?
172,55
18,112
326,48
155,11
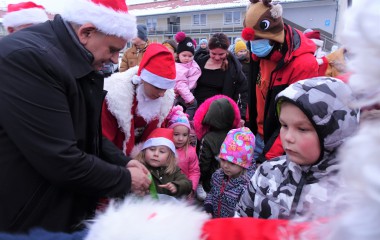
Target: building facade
202,18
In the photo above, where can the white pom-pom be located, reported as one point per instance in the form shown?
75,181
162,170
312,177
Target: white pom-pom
136,79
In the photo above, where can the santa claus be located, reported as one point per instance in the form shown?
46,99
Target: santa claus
139,99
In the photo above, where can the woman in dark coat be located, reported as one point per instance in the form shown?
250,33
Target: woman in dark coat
221,74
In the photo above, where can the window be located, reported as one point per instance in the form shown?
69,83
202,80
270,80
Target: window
232,18
199,19
151,24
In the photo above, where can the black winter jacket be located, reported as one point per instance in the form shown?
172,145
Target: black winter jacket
235,82
53,158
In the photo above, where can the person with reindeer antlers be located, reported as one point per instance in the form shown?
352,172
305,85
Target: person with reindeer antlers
285,56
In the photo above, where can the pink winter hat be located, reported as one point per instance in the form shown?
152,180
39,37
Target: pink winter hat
177,117
238,147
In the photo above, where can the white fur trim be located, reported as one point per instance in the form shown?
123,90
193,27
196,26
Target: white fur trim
136,79
276,11
25,16
159,141
157,81
119,98
137,218
107,20
317,42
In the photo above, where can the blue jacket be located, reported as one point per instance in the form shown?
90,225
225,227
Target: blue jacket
225,193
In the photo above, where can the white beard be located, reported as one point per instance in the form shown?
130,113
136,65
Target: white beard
147,108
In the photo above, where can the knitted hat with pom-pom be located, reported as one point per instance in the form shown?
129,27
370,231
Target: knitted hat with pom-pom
184,43
177,117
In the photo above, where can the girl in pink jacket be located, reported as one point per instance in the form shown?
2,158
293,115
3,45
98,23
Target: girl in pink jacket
187,157
188,72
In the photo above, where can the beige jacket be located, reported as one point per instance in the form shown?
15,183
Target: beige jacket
132,57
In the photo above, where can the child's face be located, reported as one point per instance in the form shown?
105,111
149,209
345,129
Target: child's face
203,45
153,92
230,169
181,136
298,136
241,53
157,156
185,57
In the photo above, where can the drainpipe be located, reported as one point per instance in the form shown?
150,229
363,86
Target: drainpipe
336,19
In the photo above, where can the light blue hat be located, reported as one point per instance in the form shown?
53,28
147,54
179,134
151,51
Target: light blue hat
204,40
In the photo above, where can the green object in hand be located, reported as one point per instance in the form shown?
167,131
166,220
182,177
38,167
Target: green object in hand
152,188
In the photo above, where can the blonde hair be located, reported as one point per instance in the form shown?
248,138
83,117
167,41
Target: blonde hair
187,144
171,161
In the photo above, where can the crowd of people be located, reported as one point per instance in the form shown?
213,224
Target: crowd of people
258,139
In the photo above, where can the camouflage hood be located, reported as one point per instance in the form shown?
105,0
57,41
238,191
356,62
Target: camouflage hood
325,101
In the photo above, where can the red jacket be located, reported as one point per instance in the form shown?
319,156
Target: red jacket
296,64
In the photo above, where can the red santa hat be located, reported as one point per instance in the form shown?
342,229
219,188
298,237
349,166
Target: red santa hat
157,67
24,13
109,16
160,137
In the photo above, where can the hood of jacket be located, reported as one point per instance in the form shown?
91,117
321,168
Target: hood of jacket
217,116
297,43
325,101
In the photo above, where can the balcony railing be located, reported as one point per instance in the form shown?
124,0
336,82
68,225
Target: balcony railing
195,29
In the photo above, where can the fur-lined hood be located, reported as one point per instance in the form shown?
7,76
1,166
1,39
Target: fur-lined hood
201,128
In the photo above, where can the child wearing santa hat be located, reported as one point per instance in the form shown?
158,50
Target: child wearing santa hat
187,156
230,181
188,73
139,99
158,154
22,15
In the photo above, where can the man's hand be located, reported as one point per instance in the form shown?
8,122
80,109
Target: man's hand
137,164
140,180
169,186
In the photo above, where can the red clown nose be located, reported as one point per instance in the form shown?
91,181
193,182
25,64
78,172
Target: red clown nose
248,34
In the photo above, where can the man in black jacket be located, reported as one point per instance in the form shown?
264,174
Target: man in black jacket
54,162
